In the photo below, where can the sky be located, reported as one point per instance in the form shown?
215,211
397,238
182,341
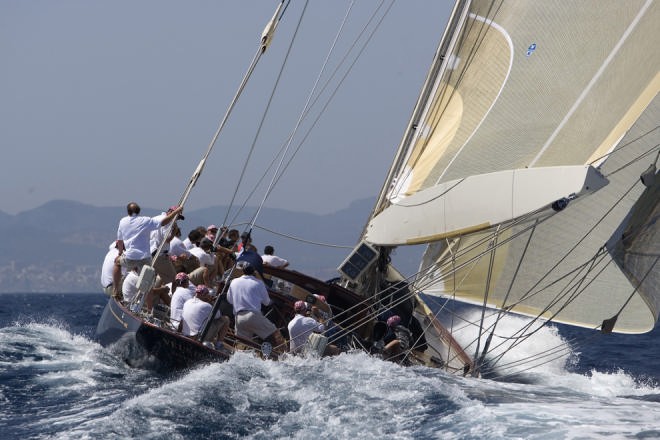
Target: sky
109,102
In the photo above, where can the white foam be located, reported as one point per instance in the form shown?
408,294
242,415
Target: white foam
544,351
349,396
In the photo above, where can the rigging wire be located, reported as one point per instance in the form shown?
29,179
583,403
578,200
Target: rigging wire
656,147
265,112
302,240
302,115
329,99
265,39
624,146
529,293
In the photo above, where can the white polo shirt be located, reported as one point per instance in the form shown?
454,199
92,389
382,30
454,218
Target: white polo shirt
194,314
247,293
273,260
300,327
179,298
205,259
130,287
135,232
108,265
177,247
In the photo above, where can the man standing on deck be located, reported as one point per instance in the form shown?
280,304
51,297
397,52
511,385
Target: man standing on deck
247,294
133,235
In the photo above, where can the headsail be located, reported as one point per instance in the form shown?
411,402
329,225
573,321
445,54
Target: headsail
525,86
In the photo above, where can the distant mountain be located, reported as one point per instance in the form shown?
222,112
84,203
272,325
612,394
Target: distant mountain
59,246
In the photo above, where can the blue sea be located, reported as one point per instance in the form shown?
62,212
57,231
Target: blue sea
57,382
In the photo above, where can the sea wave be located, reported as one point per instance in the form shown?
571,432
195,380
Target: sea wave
58,384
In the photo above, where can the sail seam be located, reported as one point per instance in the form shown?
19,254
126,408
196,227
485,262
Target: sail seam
593,81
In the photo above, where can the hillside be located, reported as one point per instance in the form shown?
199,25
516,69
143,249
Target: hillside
59,246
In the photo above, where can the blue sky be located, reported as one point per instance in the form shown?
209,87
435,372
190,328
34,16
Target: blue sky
106,102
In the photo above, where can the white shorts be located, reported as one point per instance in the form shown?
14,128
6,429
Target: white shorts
131,264
250,323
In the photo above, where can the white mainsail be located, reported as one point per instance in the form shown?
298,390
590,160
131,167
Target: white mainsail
537,89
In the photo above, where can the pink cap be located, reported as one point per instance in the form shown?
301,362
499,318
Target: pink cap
181,276
300,306
201,289
212,227
172,208
393,321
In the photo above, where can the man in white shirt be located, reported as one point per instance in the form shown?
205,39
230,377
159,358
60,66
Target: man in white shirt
177,247
163,265
247,294
211,231
194,237
133,235
129,289
206,272
273,260
300,327
196,312
108,267
182,291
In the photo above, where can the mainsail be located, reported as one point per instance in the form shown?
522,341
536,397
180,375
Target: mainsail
523,158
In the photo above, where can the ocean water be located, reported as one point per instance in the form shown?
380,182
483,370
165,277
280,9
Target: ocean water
56,382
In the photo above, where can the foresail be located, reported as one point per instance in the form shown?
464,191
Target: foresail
558,266
525,85
635,246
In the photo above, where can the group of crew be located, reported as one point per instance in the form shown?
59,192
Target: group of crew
186,271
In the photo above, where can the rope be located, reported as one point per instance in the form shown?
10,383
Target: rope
316,99
623,146
265,113
576,290
302,240
139,298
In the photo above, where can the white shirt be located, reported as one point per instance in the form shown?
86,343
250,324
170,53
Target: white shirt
177,247
205,259
134,231
247,293
300,327
179,298
130,288
108,266
194,314
188,244
273,261
158,236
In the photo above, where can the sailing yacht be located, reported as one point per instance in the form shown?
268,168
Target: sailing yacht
528,169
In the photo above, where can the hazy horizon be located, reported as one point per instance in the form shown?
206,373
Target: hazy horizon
105,102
